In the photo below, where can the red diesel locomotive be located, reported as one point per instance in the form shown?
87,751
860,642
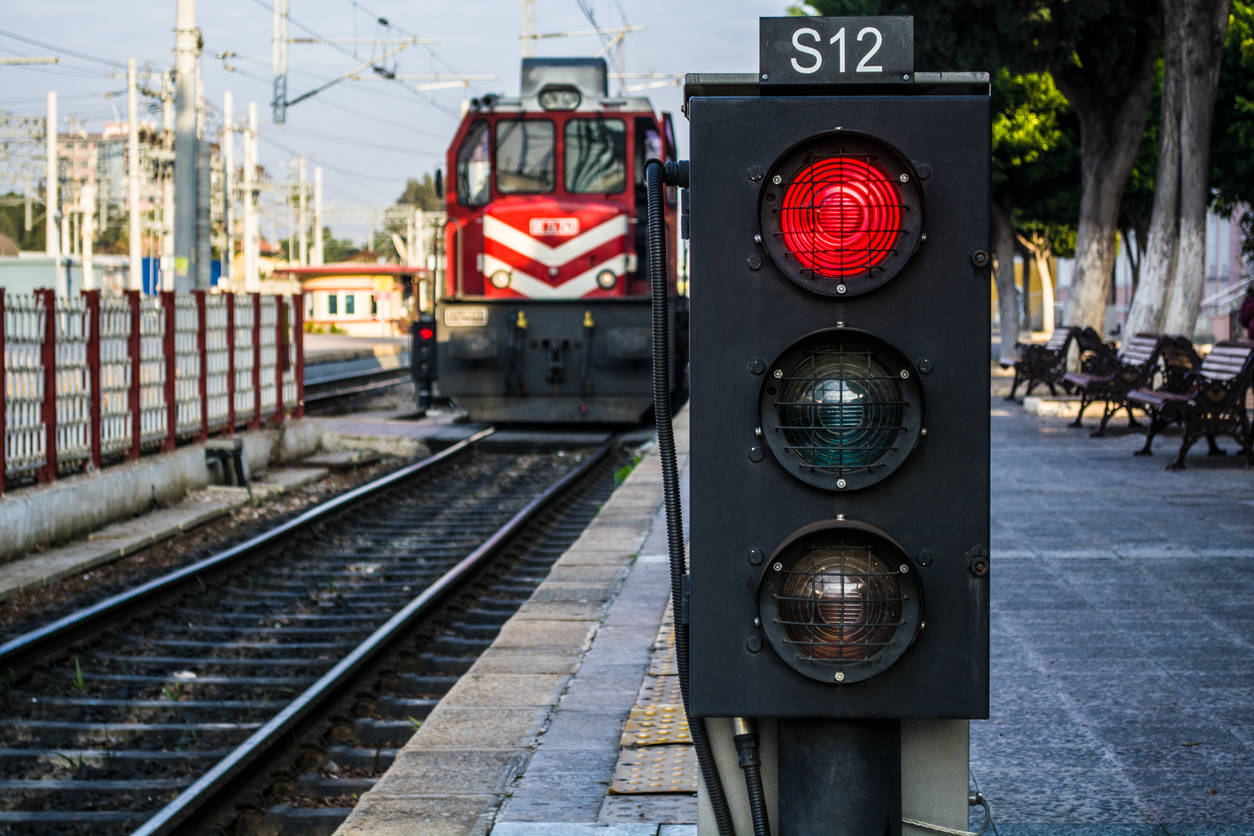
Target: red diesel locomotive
544,312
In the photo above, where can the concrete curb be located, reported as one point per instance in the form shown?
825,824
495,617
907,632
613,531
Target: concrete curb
43,515
130,536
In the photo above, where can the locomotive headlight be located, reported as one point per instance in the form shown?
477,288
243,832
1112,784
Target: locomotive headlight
559,98
500,279
606,279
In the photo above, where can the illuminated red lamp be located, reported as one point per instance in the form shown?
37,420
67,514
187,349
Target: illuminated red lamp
841,213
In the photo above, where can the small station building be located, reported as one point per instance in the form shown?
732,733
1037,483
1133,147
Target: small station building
359,298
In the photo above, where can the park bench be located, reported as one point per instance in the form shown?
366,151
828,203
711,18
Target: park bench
1111,379
1212,402
1179,358
1048,363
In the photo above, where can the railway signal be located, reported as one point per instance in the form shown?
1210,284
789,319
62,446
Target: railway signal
839,397
423,353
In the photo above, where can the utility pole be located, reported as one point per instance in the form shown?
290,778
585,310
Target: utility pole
252,282
204,178
87,231
411,257
67,217
528,37
278,102
291,226
136,243
228,181
186,53
167,183
317,251
302,254
52,208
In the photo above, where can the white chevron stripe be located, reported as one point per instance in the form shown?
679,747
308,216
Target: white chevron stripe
524,244
534,288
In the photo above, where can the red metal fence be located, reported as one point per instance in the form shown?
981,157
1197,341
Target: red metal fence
93,379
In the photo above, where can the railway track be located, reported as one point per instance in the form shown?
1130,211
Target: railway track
329,388
283,673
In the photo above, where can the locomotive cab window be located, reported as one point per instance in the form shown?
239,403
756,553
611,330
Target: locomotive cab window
596,156
650,146
525,161
474,167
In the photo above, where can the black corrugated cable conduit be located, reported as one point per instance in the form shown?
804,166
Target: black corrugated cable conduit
745,735
675,174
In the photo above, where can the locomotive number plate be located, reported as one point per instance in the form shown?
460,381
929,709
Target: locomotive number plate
554,226
465,317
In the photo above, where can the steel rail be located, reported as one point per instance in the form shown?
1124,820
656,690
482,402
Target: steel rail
325,388
213,782
18,651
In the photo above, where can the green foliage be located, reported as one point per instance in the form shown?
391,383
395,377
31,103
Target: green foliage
13,222
623,472
336,249
421,193
80,684
1232,135
1036,156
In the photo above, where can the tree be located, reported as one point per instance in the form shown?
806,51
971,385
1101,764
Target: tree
13,222
421,193
336,249
1035,178
1170,290
1101,54
1232,135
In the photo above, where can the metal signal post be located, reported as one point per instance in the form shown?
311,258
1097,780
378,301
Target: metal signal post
839,407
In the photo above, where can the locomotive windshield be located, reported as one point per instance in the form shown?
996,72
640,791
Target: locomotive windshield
525,161
596,156
474,166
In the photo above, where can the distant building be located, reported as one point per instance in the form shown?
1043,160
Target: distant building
358,298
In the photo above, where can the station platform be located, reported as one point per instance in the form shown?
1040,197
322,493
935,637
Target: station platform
330,355
1121,664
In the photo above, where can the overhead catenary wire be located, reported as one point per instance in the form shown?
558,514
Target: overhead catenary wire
435,56
340,48
64,50
269,84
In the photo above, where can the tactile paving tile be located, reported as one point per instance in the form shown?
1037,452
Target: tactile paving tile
662,663
665,635
660,690
655,769
656,725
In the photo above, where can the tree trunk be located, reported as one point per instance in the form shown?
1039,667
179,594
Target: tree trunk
1008,309
1135,255
1108,148
1038,247
1204,24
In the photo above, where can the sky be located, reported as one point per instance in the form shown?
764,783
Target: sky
369,136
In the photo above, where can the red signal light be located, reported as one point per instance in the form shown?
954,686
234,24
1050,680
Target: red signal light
425,334
841,213
840,216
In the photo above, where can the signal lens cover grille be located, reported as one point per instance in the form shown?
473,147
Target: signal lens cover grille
841,409
839,602
841,213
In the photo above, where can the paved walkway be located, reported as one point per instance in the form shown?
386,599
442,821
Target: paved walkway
1122,637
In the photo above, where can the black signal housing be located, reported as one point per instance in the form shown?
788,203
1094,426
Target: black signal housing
859,414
